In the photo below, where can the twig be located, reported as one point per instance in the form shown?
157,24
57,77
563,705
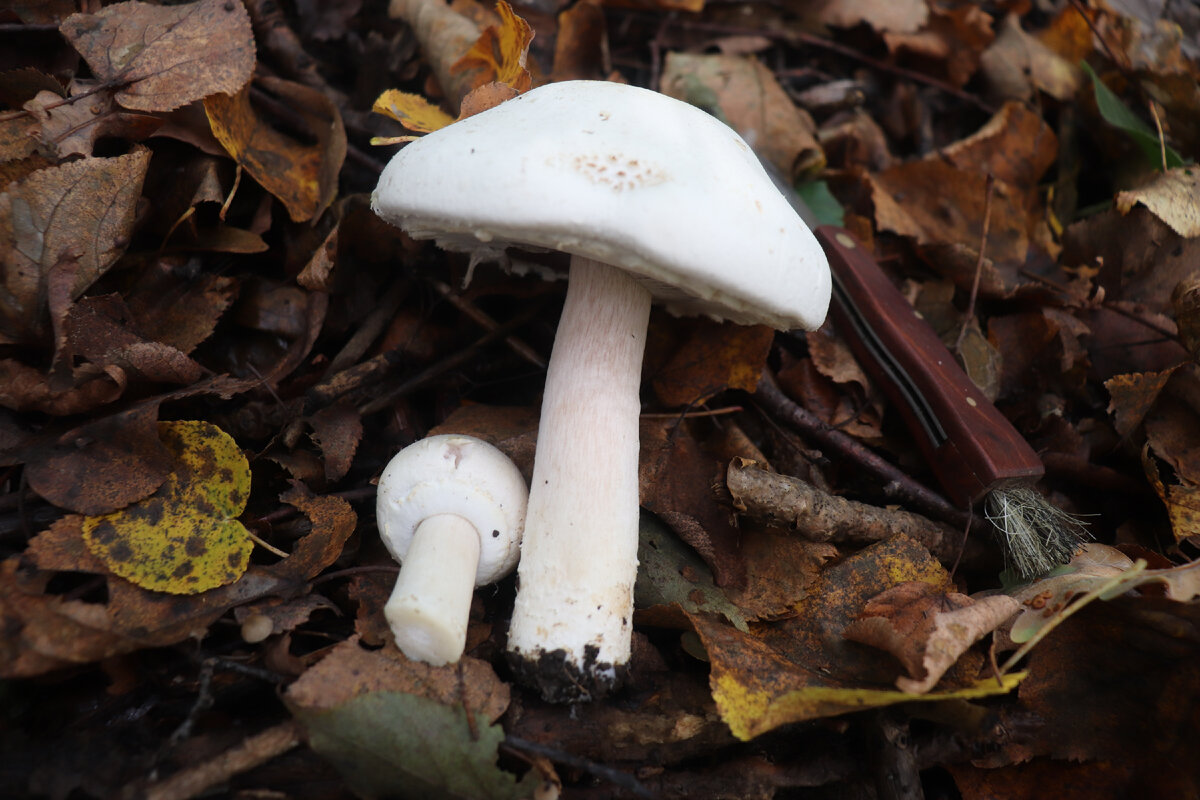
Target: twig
822,517
983,238
256,750
445,365
898,485
485,321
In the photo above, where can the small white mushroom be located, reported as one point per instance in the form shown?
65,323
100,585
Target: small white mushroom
451,509
653,199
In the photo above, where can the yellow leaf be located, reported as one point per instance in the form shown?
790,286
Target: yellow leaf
184,538
751,712
501,51
412,111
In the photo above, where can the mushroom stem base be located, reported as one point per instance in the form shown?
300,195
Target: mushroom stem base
561,678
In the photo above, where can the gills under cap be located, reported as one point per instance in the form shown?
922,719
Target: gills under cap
622,175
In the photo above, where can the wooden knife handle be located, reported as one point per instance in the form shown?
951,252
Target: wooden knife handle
971,447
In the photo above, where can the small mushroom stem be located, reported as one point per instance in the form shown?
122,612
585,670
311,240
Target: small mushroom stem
572,621
431,602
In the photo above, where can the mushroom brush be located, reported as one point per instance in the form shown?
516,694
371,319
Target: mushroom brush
653,199
974,451
450,508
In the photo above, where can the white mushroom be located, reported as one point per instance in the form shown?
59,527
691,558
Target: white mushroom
450,508
652,198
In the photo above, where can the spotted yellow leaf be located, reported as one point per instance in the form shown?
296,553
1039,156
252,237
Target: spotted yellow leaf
184,538
412,111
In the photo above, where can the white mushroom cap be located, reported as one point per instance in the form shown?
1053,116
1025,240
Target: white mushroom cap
451,509
621,175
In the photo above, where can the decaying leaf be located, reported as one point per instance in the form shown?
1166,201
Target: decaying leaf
398,728
303,176
390,744
83,209
927,630
185,538
711,357
163,57
670,572
803,667
500,53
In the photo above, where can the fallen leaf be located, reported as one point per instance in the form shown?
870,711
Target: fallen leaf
412,111
72,128
1173,196
927,630
581,43
500,52
301,175
349,671
23,388
712,357
671,572
164,57
407,746
102,465
337,429
185,538
751,100
803,668
1017,64
951,42
84,208
880,15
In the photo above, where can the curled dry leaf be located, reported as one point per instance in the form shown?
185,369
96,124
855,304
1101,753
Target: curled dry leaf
164,57
412,111
70,129
1017,65
84,208
927,630
500,53
302,176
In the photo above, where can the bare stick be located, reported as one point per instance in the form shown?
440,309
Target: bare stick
256,750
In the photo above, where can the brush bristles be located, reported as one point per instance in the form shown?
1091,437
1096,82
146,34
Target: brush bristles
1036,536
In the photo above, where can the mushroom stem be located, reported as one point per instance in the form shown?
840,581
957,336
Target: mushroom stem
431,602
571,625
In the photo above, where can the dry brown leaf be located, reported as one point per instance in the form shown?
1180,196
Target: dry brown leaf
1173,197
953,38
927,630
303,176
1132,397
98,329
181,316
676,478
349,671
23,388
581,44
84,210
164,57
72,128
1017,65
337,430
754,104
710,358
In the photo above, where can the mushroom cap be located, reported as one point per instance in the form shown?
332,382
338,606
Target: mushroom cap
455,474
622,175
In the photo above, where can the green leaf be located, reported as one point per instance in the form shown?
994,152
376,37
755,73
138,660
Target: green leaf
397,745
1118,114
821,202
671,572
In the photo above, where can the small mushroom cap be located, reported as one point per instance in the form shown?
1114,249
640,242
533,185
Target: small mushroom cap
622,175
455,474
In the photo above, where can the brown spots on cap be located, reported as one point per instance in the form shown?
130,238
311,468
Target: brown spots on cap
618,172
